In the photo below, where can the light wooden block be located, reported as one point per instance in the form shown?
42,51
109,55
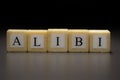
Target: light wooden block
57,40
16,40
99,40
37,40
78,40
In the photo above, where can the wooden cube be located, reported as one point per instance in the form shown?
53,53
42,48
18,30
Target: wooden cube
57,40
16,40
99,40
78,40
37,40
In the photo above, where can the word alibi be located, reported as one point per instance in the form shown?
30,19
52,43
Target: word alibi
58,40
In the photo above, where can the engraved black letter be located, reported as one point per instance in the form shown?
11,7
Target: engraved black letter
16,41
100,41
35,42
57,41
78,39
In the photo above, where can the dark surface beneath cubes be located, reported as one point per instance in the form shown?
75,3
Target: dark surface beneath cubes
60,66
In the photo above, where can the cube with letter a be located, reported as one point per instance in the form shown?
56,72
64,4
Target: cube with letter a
57,40
99,40
37,40
78,40
16,40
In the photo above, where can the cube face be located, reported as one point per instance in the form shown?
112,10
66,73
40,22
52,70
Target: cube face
17,40
99,41
37,40
57,40
78,40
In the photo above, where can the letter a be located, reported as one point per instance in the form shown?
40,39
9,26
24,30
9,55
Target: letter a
16,41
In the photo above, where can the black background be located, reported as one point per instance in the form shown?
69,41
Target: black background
79,20
87,14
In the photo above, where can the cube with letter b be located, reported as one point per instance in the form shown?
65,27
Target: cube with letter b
57,40
99,40
37,40
78,40
16,40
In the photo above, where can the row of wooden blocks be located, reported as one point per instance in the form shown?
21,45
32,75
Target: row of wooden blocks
58,40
